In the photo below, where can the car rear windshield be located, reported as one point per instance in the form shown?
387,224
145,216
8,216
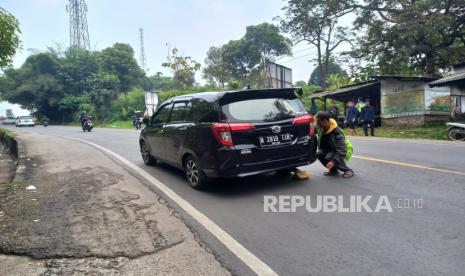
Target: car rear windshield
263,110
25,117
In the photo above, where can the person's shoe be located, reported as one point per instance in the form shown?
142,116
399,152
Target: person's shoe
331,173
301,174
348,174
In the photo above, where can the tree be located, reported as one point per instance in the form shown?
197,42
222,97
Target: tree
333,68
214,70
336,81
119,59
244,59
312,21
34,85
9,38
183,68
76,68
417,36
238,59
267,41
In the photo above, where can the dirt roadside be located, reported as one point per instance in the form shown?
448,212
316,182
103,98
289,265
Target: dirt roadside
79,213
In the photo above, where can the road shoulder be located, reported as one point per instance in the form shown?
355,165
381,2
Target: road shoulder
89,215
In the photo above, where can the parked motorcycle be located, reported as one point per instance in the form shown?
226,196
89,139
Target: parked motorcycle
87,126
456,131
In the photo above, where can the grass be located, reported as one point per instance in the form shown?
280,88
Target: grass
431,131
6,133
11,185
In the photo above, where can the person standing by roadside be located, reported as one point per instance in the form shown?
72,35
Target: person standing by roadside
351,117
334,111
334,150
360,104
368,118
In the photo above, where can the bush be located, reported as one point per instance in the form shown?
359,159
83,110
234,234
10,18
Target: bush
123,107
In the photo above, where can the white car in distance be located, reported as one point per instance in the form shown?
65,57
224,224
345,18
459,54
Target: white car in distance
25,121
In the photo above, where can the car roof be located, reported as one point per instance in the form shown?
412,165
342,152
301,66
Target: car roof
216,95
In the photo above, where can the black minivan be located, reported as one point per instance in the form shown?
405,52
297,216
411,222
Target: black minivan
230,134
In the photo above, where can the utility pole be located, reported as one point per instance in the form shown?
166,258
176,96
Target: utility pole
78,30
142,58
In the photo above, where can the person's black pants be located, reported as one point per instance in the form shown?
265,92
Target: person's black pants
370,125
325,157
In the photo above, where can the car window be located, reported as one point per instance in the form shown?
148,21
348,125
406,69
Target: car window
162,115
179,112
202,111
263,110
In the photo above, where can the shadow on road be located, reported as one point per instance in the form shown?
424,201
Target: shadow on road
227,187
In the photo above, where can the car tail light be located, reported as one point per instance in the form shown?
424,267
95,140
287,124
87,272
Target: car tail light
222,131
312,130
306,119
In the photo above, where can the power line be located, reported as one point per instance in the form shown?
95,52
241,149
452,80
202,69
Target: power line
286,61
302,50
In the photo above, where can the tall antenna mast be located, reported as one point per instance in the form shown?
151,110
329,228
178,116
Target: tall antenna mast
142,58
78,31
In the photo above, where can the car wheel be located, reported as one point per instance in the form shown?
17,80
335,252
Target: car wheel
196,177
146,156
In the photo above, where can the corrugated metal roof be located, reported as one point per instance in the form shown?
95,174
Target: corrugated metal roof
449,79
423,78
345,89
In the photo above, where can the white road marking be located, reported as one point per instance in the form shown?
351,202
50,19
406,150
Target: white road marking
252,261
411,141
412,165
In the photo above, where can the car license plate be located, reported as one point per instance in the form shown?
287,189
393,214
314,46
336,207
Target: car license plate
278,139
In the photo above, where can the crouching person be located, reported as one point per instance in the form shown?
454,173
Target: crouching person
334,150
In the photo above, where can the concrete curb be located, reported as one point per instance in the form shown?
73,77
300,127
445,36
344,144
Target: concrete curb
17,149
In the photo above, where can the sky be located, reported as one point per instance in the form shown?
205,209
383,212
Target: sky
192,26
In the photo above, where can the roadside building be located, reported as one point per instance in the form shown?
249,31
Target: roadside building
400,100
455,84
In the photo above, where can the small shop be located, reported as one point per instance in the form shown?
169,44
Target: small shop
398,100
455,85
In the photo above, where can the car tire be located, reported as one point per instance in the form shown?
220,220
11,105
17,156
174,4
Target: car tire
146,156
194,174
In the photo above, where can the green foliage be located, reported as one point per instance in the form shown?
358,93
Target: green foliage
9,38
417,37
124,106
158,82
119,59
61,85
214,70
243,60
333,68
308,90
336,81
310,21
183,68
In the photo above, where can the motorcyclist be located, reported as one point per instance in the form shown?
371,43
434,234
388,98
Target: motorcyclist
137,120
45,120
81,118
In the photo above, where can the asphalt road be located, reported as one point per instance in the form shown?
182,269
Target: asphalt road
408,241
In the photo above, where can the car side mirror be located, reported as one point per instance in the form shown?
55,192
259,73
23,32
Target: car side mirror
146,121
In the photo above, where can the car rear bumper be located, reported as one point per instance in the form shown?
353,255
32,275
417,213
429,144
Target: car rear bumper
231,166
